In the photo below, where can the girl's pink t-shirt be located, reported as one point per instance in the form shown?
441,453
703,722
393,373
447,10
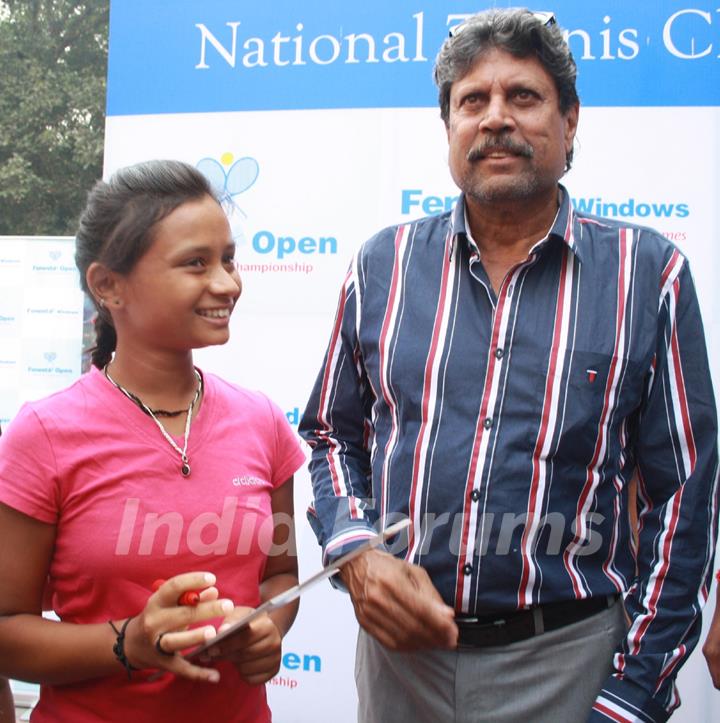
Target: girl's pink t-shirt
89,461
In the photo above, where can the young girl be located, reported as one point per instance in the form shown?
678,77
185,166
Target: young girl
147,468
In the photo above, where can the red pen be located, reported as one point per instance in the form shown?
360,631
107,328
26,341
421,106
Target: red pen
189,597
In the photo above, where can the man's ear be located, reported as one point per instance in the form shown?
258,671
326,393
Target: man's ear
105,285
571,124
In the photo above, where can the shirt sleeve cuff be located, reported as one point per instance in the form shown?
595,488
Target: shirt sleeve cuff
343,541
346,541
343,538
622,701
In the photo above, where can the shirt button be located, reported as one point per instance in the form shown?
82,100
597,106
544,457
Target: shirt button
468,569
499,353
488,422
475,496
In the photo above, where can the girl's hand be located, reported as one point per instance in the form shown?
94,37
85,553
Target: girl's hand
154,638
255,650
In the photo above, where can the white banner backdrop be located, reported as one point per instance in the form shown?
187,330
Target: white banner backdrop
41,319
320,119
340,175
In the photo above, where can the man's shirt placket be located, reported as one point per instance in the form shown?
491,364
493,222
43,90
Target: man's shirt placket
488,428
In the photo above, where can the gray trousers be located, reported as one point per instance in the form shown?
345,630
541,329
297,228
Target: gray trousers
550,678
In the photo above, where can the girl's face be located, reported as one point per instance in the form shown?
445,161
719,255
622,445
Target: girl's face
180,294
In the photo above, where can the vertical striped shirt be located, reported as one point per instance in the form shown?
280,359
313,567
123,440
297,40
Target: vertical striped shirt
508,424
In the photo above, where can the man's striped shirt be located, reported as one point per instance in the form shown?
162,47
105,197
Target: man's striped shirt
509,425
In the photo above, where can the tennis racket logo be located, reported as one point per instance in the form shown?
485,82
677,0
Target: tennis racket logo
240,175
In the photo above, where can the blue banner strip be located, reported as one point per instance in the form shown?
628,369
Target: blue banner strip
183,56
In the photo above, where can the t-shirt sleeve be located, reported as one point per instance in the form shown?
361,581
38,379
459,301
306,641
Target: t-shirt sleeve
28,471
289,455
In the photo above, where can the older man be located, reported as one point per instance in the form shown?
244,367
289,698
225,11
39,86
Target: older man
499,374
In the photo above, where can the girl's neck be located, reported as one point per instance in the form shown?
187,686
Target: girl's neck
161,380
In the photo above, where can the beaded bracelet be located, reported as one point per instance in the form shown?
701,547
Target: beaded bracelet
119,647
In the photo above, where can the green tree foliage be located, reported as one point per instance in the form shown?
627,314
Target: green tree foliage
53,60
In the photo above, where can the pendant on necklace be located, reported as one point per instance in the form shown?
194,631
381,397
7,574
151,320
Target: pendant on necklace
185,469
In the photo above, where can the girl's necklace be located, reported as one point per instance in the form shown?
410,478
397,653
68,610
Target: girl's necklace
153,414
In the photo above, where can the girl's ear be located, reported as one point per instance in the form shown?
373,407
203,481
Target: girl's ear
105,285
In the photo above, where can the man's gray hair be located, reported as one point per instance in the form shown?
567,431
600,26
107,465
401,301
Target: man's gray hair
517,31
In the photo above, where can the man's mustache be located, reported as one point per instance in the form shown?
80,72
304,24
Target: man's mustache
499,145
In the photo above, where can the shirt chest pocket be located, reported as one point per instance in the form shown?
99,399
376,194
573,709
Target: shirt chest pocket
603,391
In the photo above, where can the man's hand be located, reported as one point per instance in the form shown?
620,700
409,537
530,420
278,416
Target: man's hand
397,604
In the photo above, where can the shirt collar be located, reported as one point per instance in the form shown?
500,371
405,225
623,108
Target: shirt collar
562,228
